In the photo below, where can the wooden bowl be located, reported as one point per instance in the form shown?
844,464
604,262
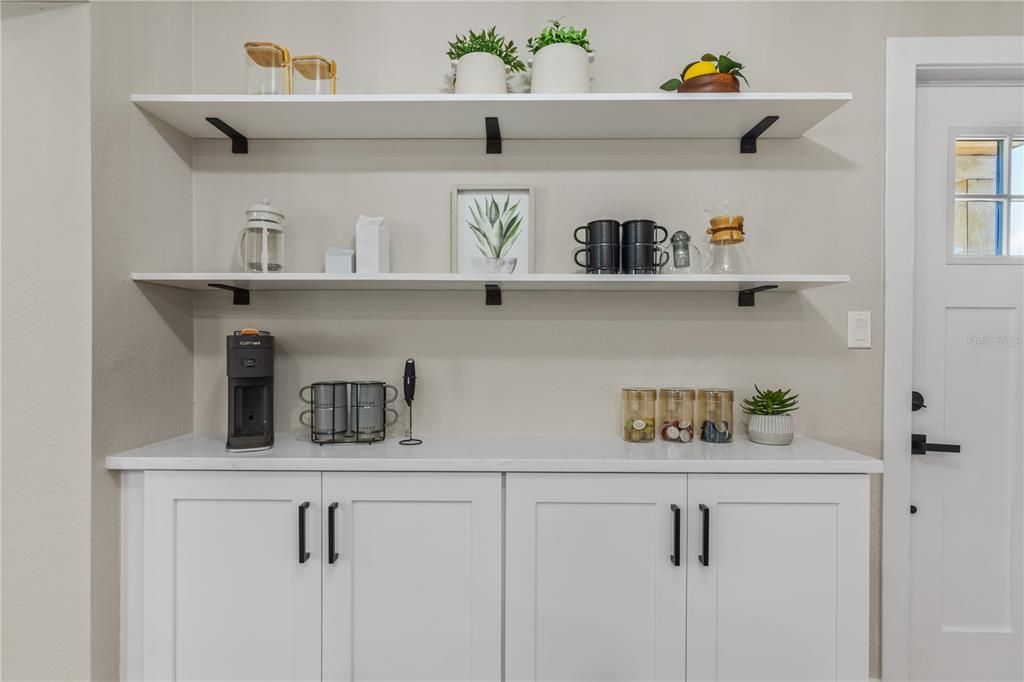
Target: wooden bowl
711,82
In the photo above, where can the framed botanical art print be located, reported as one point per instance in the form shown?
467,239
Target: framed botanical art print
492,230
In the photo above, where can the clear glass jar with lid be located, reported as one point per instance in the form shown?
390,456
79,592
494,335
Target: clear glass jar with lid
314,75
267,69
675,414
713,415
638,412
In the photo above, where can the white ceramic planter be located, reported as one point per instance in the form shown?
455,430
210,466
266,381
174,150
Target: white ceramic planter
562,67
771,429
480,73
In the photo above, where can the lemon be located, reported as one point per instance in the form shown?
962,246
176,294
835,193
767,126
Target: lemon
699,69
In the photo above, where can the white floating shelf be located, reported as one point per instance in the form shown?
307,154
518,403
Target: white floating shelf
318,281
519,116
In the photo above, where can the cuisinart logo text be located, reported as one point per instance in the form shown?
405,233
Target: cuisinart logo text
250,343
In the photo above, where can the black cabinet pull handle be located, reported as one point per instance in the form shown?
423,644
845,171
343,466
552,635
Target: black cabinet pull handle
705,543
675,557
303,554
332,556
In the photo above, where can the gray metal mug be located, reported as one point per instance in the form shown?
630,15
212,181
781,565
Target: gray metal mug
325,394
372,394
321,422
369,420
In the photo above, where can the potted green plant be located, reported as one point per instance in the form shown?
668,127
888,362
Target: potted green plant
710,74
561,59
771,419
482,61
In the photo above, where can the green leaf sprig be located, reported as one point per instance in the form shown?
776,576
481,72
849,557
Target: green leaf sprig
490,41
495,227
723,64
555,33
768,402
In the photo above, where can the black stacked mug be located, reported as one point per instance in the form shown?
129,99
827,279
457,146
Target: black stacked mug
601,249
641,253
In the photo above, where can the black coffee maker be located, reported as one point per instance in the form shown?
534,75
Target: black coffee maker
250,391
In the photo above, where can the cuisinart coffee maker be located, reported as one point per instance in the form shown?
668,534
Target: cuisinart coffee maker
250,391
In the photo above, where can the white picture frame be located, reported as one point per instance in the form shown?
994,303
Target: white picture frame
467,247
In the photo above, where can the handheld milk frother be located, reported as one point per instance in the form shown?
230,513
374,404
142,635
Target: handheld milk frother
409,390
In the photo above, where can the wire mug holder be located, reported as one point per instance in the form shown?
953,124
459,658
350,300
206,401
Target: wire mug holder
354,426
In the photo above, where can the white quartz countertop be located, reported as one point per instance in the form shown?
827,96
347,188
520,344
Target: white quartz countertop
511,453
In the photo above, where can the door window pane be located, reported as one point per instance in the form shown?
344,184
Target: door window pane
977,228
1017,166
1017,228
979,166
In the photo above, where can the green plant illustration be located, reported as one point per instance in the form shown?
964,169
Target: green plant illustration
496,227
554,33
768,402
490,41
709,63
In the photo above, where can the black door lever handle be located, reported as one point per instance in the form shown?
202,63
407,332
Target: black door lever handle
919,445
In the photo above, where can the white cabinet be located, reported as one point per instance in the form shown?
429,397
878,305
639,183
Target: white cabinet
777,585
225,595
592,589
412,589
350,576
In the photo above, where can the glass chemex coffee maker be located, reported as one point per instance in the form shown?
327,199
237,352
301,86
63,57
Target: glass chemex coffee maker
348,411
728,252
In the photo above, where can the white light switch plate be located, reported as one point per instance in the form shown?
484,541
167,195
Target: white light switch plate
858,329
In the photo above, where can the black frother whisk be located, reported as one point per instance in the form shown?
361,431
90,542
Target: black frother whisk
409,389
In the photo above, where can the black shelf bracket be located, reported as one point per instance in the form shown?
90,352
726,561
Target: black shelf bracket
239,142
239,296
748,143
492,294
493,134
746,297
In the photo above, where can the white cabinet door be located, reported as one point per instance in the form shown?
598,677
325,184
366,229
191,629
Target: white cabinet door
778,584
412,590
225,594
592,589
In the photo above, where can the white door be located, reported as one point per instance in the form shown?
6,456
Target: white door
777,577
593,589
965,554
412,588
227,594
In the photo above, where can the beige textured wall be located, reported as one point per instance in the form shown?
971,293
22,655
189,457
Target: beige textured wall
542,362
46,341
142,219
553,362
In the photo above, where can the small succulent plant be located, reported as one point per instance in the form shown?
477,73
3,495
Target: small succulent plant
487,40
554,33
773,401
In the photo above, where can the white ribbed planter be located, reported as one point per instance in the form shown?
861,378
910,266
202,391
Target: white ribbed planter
480,73
771,429
562,67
